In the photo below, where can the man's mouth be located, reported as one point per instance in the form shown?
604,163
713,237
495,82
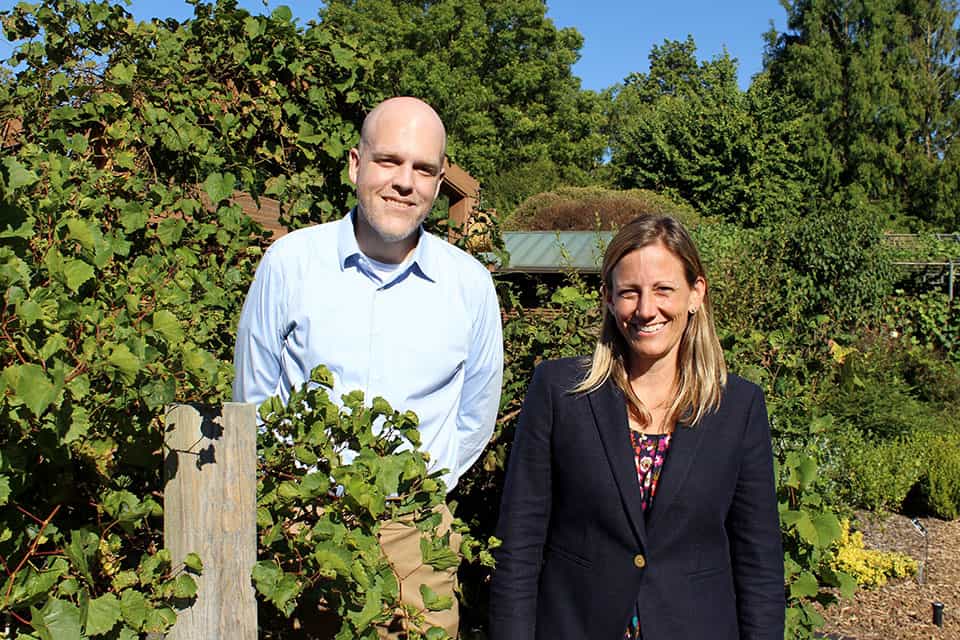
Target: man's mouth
395,202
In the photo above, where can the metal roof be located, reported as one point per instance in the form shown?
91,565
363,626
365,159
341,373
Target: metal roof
555,251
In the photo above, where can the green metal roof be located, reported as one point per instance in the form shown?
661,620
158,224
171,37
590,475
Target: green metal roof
555,251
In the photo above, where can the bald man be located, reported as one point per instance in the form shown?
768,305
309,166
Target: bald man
390,310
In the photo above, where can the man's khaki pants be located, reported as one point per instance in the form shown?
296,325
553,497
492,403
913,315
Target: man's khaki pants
401,545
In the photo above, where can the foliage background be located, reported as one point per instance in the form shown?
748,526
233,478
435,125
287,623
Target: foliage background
124,264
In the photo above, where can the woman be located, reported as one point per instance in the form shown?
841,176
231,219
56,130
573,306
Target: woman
640,499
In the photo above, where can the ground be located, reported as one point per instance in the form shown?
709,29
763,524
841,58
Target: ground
902,610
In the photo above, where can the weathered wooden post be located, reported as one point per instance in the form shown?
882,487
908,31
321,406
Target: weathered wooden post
210,508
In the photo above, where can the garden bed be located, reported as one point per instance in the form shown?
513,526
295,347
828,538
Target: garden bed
902,610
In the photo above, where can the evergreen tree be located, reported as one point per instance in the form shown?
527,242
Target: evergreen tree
877,82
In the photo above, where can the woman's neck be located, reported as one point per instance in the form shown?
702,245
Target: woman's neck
654,383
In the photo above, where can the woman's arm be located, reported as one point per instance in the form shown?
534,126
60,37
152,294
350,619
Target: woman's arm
524,516
753,527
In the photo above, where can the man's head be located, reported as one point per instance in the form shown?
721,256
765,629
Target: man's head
397,167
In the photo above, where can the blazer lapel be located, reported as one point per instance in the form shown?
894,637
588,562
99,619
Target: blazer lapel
610,414
676,468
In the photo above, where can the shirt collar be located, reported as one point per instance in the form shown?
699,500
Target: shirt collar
423,261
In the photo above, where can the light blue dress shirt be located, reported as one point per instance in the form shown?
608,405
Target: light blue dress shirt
428,340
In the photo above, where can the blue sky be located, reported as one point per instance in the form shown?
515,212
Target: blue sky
618,34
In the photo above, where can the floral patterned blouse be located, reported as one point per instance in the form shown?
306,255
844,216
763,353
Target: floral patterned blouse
649,452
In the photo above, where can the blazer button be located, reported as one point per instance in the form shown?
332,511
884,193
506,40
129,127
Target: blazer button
639,561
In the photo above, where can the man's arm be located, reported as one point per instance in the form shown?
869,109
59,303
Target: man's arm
256,356
483,377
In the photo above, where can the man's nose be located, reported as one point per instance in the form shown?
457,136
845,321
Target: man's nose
403,178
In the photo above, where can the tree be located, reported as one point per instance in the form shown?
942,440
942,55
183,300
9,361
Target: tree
686,128
499,74
878,83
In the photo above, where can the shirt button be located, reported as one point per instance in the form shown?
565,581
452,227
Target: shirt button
639,561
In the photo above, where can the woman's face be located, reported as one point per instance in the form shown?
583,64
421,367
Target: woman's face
651,300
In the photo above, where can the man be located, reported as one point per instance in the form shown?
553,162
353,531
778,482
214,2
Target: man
391,310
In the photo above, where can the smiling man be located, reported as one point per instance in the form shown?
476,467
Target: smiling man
391,310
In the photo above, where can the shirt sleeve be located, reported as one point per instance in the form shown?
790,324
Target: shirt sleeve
256,356
483,376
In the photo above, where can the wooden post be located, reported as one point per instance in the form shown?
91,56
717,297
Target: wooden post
210,508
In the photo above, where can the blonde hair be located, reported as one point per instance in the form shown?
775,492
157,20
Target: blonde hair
701,370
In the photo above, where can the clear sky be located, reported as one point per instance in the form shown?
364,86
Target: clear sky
618,34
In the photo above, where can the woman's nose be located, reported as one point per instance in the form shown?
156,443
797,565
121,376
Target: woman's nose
645,307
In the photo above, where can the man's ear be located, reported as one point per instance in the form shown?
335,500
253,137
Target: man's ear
436,192
353,164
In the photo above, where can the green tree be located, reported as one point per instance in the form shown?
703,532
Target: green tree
499,74
877,81
686,128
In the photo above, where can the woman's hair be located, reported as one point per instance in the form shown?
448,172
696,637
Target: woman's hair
701,371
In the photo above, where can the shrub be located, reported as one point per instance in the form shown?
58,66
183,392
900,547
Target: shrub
872,473
870,567
940,484
582,208
928,319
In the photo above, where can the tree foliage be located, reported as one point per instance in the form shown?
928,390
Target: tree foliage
686,128
877,85
498,73
123,264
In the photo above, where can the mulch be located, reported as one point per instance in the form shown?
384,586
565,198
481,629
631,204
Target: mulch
903,609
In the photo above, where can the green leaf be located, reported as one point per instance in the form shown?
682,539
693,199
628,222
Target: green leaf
807,530
276,586
4,490
123,360
103,614
828,528
805,586
436,633
82,232
133,607
438,554
77,272
251,27
372,608
432,601
31,384
121,74
219,186
58,620
18,175
82,550
848,584
193,562
167,325
282,14
184,586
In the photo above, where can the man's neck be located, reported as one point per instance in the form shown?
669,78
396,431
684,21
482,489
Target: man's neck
374,246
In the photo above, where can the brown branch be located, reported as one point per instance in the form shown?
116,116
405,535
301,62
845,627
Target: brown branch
30,552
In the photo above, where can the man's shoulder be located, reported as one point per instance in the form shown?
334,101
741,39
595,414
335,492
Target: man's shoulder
314,243
454,259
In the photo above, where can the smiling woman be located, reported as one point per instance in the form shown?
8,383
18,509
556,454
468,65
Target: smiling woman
639,500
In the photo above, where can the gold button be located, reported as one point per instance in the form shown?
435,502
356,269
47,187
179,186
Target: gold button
639,561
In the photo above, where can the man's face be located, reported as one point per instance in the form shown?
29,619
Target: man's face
397,169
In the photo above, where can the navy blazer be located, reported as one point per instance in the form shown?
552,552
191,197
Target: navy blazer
705,563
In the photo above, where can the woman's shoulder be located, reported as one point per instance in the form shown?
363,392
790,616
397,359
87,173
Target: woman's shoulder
560,373
739,393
